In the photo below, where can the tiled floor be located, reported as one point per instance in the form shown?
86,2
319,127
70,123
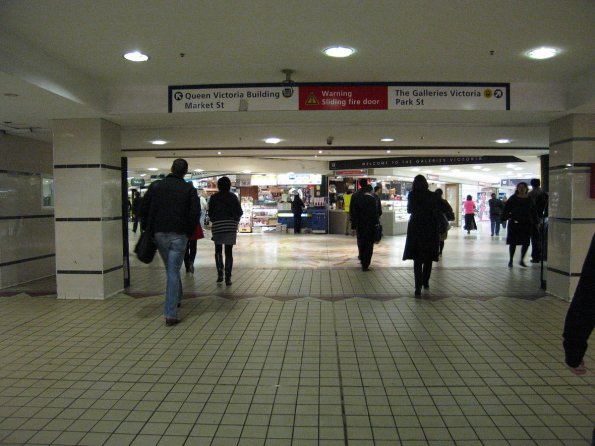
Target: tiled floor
303,349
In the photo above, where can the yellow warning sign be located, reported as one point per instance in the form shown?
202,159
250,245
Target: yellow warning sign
312,99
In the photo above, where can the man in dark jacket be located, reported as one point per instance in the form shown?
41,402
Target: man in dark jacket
170,210
365,213
580,318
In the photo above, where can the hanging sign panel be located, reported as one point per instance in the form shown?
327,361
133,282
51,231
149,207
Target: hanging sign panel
335,97
449,97
230,99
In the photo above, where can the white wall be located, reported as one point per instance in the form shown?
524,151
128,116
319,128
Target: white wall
27,247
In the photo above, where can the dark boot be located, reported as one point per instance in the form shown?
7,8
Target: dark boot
228,267
219,265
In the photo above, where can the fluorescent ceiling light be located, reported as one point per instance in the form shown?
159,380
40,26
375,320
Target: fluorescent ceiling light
510,166
338,51
387,139
486,169
543,52
388,151
199,170
415,169
152,169
320,151
143,174
478,167
246,171
517,168
445,168
158,142
503,141
272,140
218,153
136,56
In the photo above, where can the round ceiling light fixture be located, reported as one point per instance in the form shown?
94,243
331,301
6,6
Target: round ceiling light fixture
387,139
338,51
543,52
158,142
503,141
136,56
272,140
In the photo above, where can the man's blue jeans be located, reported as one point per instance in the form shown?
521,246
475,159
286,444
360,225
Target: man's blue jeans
495,225
171,248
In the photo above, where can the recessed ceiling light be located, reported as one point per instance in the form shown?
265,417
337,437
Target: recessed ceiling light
320,151
136,56
272,140
388,151
387,139
510,166
415,169
543,52
517,168
503,141
338,51
478,167
218,153
456,170
143,174
315,156
152,169
158,142
199,170
486,169
445,168
246,171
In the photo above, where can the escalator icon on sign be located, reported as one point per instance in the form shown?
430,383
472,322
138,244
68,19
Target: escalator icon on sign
178,95
498,93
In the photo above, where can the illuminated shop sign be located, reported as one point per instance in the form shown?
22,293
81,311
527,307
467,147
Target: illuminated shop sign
299,178
420,161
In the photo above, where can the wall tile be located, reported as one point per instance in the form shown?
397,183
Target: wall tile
559,245
77,141
112,243
111,194
80,286
77,193
111,143
79,246
18,273
113,282
560,285
25,238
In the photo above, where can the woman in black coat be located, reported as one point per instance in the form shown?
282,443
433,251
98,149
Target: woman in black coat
225,212
423,241
520,212
297,207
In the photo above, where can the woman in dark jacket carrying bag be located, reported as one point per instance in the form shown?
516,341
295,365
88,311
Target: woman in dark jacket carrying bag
520,212
225,212
423,240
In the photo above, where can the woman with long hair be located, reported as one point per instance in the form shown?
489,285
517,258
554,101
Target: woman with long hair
448,212
521,214
469,208
423,240
225,212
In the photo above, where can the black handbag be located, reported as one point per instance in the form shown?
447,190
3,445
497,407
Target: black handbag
145,247
377,233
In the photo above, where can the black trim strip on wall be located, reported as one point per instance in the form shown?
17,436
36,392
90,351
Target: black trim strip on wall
30,259
16,172
89,218
572,220
86,166
574,139
563,273
328,149
572,167
20,217
105,271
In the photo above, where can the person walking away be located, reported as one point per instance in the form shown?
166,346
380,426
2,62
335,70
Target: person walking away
224,212
469,208
520,213
204,207
173,208
136,203
423,241
496,208
580,317
448,215
377,193
540,199
358,195
297,207
347,207
365,213
190,253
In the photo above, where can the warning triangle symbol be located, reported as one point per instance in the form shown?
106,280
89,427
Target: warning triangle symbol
311,99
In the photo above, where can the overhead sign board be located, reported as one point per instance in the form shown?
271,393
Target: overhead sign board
420,161
335,97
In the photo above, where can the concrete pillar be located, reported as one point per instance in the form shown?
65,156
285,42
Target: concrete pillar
88,211
571,210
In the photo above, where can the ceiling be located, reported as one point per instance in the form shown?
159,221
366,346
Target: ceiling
62,59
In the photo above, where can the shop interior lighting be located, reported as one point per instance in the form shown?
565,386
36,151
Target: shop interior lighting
158,142
503,141
517,168
136,56
445,168
478,167
143,174
510,166
486,169
246,171
543,52
338,51
272,140
199,170
152,169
